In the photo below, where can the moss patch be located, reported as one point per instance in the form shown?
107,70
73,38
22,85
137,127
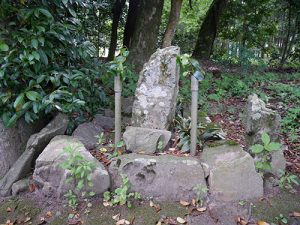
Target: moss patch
284,204
20,209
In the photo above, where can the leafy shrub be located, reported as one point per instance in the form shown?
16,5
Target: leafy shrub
121,195
80,171
183,128
45,63
287,181
264,152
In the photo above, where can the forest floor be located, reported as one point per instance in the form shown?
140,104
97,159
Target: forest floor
32,209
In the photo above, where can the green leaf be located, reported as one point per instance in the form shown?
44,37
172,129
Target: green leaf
257,148
19,101
4,47
36,55
46,13
273,146
33,95
44,57
34,43
265,138
12,121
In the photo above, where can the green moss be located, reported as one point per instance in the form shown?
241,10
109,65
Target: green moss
231,142
21,208
284,203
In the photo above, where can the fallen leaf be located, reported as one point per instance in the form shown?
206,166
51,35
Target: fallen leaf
123,221
116,217
194,202
42,221
159,223
172,149
202,209
156,206
260,222
32,188
295,214
180,220
184,203
151,203
8,209
27,219
49,214
106,204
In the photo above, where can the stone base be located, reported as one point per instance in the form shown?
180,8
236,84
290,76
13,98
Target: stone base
163,178
232,175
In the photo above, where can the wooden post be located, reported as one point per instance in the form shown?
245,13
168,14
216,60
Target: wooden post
118,91
194,112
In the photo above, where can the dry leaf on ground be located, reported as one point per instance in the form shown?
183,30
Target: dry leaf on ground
181,220
184,203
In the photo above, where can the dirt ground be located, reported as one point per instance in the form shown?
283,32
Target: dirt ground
35,209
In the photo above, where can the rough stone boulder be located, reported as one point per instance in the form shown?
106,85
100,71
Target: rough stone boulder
106,122
260,119
164,177
13,141
51,177
231,173
145,140
35,145
157,89
87,132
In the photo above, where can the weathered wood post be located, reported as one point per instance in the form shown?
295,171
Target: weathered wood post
194,112
118,91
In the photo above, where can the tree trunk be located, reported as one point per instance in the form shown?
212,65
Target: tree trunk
208,30
287,38
130,22
172,23
144,38
117,12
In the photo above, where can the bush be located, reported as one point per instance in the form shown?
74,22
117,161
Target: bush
46,64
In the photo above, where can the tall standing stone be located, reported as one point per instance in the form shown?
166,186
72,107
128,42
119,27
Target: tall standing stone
155,97
260,119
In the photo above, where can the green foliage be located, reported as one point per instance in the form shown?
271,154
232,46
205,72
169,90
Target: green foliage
264,152
46,64
80,173
281,219
200,192
121,195
183,128
287,181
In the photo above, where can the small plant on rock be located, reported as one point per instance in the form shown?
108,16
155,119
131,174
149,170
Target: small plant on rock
264,152
80,171
200,191
121,195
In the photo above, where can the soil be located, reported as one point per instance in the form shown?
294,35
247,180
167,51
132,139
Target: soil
36,210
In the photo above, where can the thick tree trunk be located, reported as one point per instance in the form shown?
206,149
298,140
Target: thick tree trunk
172,23
208,30
144,38
117,12
130,22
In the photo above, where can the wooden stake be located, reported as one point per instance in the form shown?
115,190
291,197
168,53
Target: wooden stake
118,92
194,112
